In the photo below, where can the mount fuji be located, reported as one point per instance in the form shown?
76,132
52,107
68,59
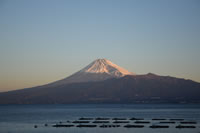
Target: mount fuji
105,82
98,70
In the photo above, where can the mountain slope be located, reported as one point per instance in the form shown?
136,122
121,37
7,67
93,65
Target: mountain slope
98,70
104,82
148,88
105,66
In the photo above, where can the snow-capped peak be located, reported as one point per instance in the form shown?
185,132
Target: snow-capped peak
106,66
98,70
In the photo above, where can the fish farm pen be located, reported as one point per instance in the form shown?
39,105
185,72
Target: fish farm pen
102,122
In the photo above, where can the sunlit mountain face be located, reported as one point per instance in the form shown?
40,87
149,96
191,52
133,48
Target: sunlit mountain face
98,70
105,82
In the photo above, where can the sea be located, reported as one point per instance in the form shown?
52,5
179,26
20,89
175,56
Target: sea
41,118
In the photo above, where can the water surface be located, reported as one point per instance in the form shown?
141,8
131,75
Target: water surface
22,118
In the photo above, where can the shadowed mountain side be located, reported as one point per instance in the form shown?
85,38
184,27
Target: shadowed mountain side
98,70
128,89
81,77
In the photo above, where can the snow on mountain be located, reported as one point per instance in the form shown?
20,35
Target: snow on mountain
148,88
105,66
98,70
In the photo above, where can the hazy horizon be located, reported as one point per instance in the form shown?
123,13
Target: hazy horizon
44,41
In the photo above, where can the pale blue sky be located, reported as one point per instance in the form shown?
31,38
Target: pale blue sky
46,40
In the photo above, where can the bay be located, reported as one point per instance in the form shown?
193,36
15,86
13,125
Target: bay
23,118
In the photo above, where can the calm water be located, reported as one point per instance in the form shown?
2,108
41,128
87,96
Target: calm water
22,118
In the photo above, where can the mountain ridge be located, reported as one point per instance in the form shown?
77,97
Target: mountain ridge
96,84
106,66
127,89
98,70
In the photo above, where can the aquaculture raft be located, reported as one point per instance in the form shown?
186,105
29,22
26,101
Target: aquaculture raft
133,122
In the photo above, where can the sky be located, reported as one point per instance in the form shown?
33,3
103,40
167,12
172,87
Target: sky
42,41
